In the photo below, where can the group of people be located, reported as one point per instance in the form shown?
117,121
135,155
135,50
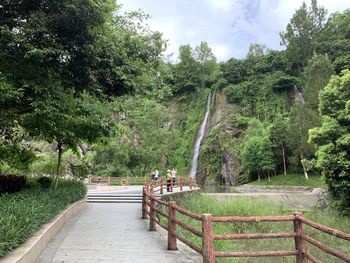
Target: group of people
170,177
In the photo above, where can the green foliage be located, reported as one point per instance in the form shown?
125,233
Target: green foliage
15,156
45,182
256,150
335,41
301,119
197,69
23,213
80,170
332,139
318,72
302,32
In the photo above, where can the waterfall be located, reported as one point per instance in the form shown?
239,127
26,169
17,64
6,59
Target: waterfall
299,95
199,140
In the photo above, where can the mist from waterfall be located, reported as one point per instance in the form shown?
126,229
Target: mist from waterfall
199,140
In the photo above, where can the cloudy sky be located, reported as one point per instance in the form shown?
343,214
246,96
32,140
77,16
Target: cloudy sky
229,26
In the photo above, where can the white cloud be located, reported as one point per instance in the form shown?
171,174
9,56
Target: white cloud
223,5
221,51
229,26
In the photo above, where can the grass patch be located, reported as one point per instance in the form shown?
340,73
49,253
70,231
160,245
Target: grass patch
253,207
292,180
24,212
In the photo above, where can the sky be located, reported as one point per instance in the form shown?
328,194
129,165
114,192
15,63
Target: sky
229,26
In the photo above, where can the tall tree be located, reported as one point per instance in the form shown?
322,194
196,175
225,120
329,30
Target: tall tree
278,136
186,72
301,119
67,120
333,141
257,49
318,72
302,32
208,68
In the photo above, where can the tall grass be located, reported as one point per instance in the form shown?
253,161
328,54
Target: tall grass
23,213
314,180
252,207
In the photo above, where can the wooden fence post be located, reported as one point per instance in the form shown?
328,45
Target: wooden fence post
172,226
181,183
208,239
152,214
109,180
144,204
300,244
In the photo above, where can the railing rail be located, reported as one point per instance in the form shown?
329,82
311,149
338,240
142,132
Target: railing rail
158,185
207,250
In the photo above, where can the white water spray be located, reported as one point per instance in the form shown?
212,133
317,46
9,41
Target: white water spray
199,140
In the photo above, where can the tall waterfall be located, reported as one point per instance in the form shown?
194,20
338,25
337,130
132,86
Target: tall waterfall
199,140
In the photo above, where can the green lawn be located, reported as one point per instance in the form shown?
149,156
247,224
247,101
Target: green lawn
292,180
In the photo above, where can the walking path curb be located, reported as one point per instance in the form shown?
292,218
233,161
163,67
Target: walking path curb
32,248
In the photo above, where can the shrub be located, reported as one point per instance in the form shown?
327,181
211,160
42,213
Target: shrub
24,212
12,183
45,182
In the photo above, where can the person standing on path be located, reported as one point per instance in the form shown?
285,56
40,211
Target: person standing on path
156,174
168,180
173,175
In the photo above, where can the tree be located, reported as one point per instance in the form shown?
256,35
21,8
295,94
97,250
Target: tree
301,119
143,144
256,50
256,152
335,41
332,139
318,72
67,120
208,68
302,33
278,137
186,72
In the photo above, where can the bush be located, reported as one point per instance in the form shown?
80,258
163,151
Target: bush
12,183
23,213
45,182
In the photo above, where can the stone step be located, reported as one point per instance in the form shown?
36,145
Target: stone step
116,196
113,201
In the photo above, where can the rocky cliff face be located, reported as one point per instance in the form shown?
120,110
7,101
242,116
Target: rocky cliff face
219,160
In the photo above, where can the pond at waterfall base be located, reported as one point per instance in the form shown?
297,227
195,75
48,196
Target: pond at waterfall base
200,204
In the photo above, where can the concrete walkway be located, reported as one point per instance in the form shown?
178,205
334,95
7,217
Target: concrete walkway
110,233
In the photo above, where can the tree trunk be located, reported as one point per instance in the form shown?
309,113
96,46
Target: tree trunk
284,160
60,150
304,168
259,176
268,176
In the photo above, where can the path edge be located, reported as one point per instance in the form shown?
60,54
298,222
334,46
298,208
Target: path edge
31,249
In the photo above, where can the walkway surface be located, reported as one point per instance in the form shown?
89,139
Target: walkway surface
110,233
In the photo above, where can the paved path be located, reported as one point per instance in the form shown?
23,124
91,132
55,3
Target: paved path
110,233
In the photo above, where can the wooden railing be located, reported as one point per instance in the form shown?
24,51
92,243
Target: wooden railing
161,184
151,208
119,180
158,185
